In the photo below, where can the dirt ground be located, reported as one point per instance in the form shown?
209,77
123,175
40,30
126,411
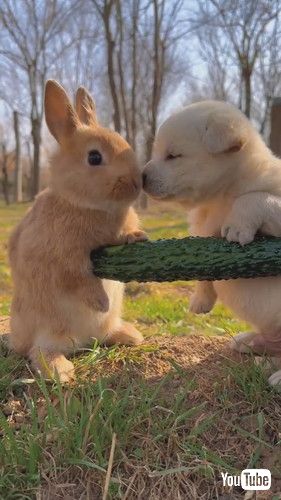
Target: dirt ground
194,357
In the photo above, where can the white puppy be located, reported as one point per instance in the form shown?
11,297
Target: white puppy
209,158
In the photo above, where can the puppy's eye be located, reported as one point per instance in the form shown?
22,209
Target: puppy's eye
171,156
94,157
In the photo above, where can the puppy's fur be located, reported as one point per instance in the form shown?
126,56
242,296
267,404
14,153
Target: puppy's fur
209,158
58,304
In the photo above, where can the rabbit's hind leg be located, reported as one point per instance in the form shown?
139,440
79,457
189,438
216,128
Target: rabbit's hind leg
125,334
47,356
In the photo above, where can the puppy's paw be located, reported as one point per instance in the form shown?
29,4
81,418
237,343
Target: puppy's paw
200,304
275,379
136,236
236,231
243,342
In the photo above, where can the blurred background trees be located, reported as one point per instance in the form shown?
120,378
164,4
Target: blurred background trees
141,59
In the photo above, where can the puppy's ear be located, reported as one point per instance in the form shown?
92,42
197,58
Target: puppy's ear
224,134
85,107
60,116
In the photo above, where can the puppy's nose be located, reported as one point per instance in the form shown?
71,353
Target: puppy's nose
144,178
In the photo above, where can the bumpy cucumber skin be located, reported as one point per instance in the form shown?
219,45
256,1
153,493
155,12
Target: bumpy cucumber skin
191,258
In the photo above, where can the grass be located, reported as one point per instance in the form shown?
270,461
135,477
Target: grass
9,216
161,309
183,409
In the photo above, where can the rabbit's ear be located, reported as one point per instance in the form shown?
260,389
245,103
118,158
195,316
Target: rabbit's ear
85,107
60,116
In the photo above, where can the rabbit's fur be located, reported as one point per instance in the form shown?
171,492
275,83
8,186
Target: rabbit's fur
58,304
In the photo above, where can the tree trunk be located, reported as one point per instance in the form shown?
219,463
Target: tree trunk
207,259
36,138
5,179
156,90
30,176
248,91
18,166
134,72
120,65
110,45
275,123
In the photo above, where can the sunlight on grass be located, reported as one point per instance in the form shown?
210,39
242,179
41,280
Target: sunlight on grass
77,426
9,217
182,410
164,309
155,309
165,224
70,429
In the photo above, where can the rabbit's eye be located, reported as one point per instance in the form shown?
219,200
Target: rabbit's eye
94,157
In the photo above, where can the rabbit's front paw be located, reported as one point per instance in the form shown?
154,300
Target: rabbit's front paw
64,370
52,365
234,230
136,236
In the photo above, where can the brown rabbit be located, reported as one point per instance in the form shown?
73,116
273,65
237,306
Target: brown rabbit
58,304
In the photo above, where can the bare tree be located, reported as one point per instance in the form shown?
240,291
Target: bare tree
242,24
134,55
139,39
167,26
18,165
28,34
140,42
4,168
106,9
218,81
267,81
